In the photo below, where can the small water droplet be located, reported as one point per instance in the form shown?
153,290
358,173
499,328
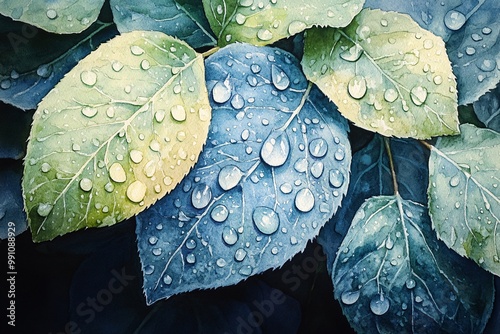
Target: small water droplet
245,270
5,84
255,68
201,196
390,95
428,44
89,112
44,209
221,92
145,64
418,95
410,283
44,70
389,243
318,147
352,54
190,258
117,173
136,156
229,235
265,219
252,81
279,78
86,184
229,177
470,50
275,149
136,50
45,167
339,154
455,180
149,269
350,297
264,35
486,30
117,66
156,251
190,244
357,87
237,102
317,169
379,305
296,26
109,187
454,20
384,23
136,191
221,262
51,14
178,113
167,279
240,18
336,178
487,65
240,254
89,78
304,200
219,213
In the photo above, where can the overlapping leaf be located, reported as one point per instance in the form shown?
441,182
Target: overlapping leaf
274,170
58,16
32,61
393,276
262,22
12,217
371,176
14,131
487,109
117,133
386,74
184,19
464,194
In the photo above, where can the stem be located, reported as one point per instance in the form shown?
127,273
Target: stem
426,144
391,165
208,53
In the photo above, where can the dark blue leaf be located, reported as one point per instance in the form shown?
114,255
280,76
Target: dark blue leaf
12,217
184,19
14,132
371,176
274,170
487,109
32,61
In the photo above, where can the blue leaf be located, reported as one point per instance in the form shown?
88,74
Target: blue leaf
184,19
14,132
32,61
274,170
487,109
371,176
12,217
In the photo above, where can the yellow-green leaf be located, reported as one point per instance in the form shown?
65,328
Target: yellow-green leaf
116,134
386,74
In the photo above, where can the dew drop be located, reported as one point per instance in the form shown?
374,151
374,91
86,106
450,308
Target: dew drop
318,147
265,219
275,149
336,178
136,156
245,270
136,191
167,279
470,50
454,20
89,78
389,243
428,44
486,30
240,254
191,244
89,111
438,80
156,251
255,68
229,177
357,87
117,66
352,54
201,196
117,173
221,263
190,258
350,297
86,184
410,283
379,305
109,187
339,154
264,35
487,65
229,235
296,26
44,70
221,92
390,95
317,169
153,240
45,167
240,18
454,181
280,79
145,64
304,200
219,213
51,14
237,102
178,113
418,95
136,50
149,269
44,209
5,84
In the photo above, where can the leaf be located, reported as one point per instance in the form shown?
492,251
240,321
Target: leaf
33,61
371,176
12,217
266,21
116,134
183,19
474,49
14,130
464,201
274,170
487,109
58,16
393,276
386,74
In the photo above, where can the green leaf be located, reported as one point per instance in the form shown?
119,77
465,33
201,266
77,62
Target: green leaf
266,21
386,74
116,134
393,276
58,16
464,196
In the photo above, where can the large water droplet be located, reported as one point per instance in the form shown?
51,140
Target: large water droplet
117,173
191,244
295,27
86,184
352,54
318,147
264,34
275,149
229,177
454,20
240,254
379,305
136,156
148,269
221,92
304,200
455,180
44,209
240,18
219,213
229,235
350,297
89,78
201,196
336,178
237,102
280,79
265,219
487,65
245,271
136,191
178,113
418,95
191,258
317,169
89,111
390,95
357,87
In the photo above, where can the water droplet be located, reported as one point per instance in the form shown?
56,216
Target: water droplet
44,70
264,35
245,270
455,180
300,165
317,169
220,10
252,81
279,78
379,305
167,279
304,200
191,258
148,269
240,254
219,213
153,240
389,243
45,167
89,78
229,177
486,30
51,14
318,147
145,64
201,196
221,262
487,65
352,54
136,156
470,50
156,251
237,102
336,178
418,95
245,134
275,149
5,84
476,37
438,80
350,297
44,209
255,68
296,26
428,44
265,219
89,111
410,283
357,87
136,191
384,23
229,235
109,187
390,95
191,244
86,184
150,168
240,18
454,20
178,113
221,92
339,154
117,173
363,32
136,50
117,66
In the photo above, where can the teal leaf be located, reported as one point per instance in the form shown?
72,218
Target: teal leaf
273,171
14,131
386,74
117,133
12,217
487,109
184,19
33,61
266,21
392,275
464,194
58,16
371,176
